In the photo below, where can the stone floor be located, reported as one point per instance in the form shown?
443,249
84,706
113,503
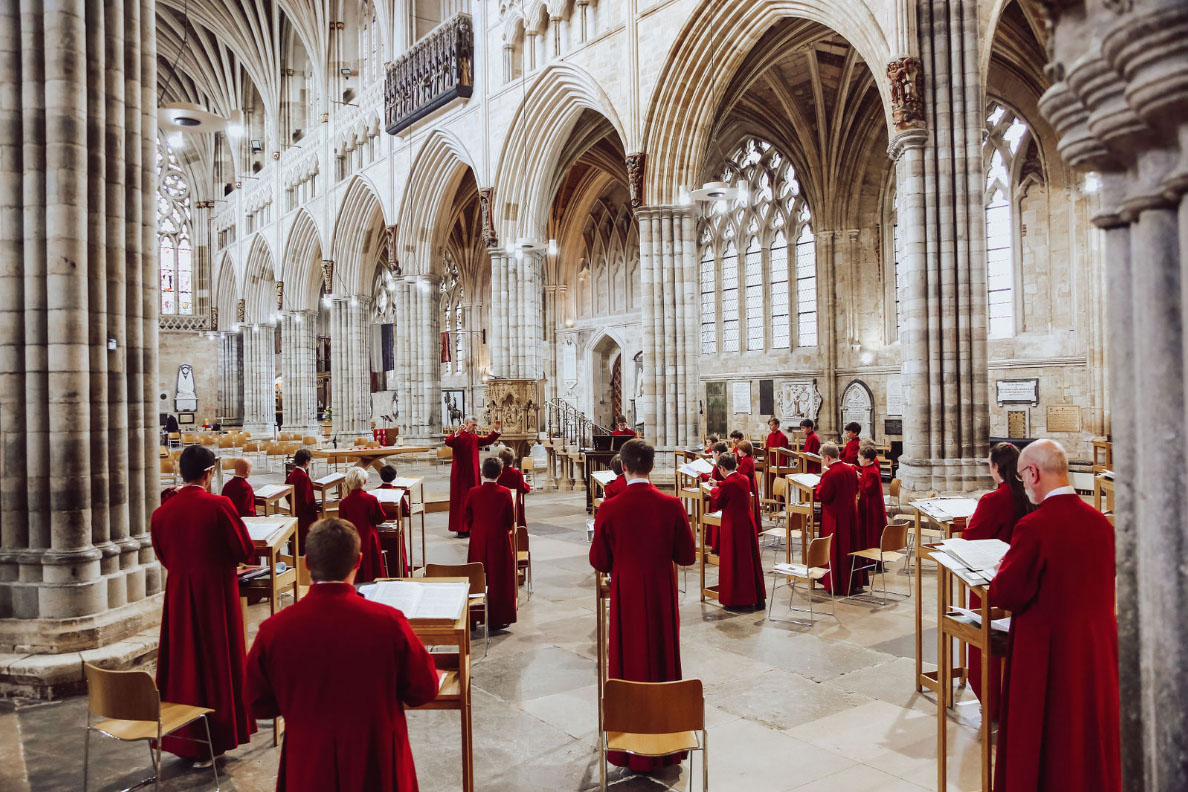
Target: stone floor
832,707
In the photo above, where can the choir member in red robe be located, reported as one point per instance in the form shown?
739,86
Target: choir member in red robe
240,491
363,511
621,429
304,501
712,441
200,540
619,484
397,553
392,510
736,437
746,466
1059,727
346,728
872,509
849,454
837,493
638,537
995,518
491,525
811,445
464,470
513,479
740,570
776,438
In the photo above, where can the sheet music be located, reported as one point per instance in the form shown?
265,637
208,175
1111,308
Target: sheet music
1003,624
977,554
333,478
260,528
696,468
717,514
422,600
791,569
947,509
809,480
271,489
603,477
810,455
959,569
388,495
406,482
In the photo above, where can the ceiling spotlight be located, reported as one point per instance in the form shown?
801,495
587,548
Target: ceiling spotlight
345,71
297,318
569,323
257,146
552,247
354,302
715,191
176,140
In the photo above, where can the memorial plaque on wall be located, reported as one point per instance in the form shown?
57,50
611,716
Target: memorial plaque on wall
893,426
857,407
1017,424
894,395
1064,418
1017,391
740,397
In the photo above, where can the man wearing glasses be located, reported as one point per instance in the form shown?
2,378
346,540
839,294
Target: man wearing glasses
200,539
1059,722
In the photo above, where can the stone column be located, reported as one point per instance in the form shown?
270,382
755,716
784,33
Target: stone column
669,281
1119,101
298,363
78,325
259,379
498,334
230,378
952,420
425,420
350,368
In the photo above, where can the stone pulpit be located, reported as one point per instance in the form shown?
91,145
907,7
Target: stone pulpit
516,405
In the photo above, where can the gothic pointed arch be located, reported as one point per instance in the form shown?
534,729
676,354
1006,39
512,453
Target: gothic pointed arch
360,214
259,283
301,265
436,175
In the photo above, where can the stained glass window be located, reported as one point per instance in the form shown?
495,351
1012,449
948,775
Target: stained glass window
451,315
174,235
1006,133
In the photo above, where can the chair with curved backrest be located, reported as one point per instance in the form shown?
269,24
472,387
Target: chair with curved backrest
653,719
131,709
478,591
524,557
168,472
309,441
816,565
779,503
528,468
893,545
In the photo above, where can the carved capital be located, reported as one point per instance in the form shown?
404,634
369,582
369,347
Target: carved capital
490,238
635,177
240,311
280,295
907,103
390,240
214,318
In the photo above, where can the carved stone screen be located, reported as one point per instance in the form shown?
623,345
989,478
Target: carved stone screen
857,405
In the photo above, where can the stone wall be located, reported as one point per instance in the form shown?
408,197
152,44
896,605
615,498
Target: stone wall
200,352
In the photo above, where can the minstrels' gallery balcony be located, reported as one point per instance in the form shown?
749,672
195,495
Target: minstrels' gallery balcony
437,70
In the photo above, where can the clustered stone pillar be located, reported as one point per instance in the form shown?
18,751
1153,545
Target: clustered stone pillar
230,378
350,368
516,312
298,359
259,379
669,280
1119,102
78,324
418,356
946,401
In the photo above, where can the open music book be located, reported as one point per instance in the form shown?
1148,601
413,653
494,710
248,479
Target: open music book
420,601
976,554
387,495
603,477
332,479
809,480
260,528
270,490
697,467
406,482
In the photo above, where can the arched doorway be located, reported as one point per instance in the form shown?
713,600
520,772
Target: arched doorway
607,383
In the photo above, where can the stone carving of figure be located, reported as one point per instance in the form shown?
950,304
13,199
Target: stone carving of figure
186,395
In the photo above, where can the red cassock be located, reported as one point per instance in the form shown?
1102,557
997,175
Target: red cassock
397,553
624,433
304,502
200,540
638,536
812,445
513,479
839,518
1059,726
464,472
242,496
849,454
616,487
740,570
993,519
746,466
491,523
346,730
777,439
363,511
872,509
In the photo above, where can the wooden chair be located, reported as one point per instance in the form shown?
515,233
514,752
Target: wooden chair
174,439
893,493
226,445
208,440
478,591
779,504
816,565
527,467
251,448
893,545
654,719
131,709
309,441
362,441
168,472
445,455
523,559
188,439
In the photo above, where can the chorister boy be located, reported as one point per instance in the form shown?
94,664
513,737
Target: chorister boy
850,452
240,491
490,522
811,445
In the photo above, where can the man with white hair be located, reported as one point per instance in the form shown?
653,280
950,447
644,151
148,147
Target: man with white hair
464,471
1059,722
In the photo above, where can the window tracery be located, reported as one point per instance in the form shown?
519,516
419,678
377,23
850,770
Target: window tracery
452,318
767,293
174,234
1007,141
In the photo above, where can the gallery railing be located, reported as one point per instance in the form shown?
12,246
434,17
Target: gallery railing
563,420
435,71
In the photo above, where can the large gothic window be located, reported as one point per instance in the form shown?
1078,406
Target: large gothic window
452,321
758,265
1006,134
174,235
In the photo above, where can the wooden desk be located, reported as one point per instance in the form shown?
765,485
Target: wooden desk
335,482
268,498
958,627
1103,455
270,535
1103,494
780,462
455,689
391,537
592,461
704,554
804,509
368,457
